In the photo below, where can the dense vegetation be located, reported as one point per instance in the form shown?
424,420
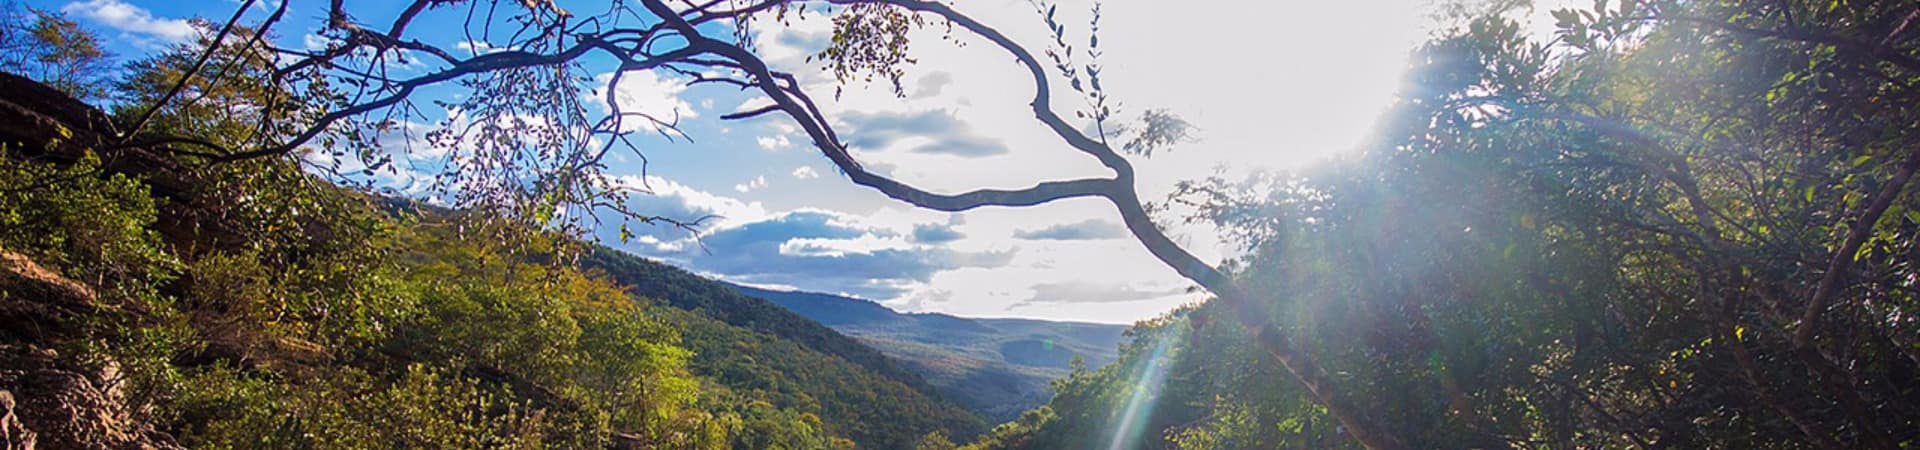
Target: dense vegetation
1679,224
344,329
753,345
1685,224
253,305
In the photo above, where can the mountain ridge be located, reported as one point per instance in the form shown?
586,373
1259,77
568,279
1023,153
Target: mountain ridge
996,367
752,345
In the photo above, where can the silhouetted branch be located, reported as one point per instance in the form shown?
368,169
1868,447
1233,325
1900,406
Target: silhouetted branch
186,76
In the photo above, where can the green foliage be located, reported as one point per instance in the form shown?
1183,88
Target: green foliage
870,39
1689,226
52,49
259,306
407,336
1018,433
763,352
421,408
270,309
935,441
264,308
1621,242
77,220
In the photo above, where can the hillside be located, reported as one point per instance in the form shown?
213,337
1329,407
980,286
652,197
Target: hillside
253,305
996,367
749,344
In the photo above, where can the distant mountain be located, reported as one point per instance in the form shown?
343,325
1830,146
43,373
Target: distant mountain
995,367
757,349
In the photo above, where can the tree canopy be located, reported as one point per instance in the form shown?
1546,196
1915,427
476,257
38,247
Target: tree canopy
1678,223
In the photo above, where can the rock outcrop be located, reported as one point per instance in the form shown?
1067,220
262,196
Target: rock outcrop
54,401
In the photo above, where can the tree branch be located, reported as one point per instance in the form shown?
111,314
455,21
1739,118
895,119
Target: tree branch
1857,235
201,63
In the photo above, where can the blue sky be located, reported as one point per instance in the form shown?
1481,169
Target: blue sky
1262,86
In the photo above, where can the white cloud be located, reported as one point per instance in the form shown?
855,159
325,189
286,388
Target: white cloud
749,186
1090,229
132,20
775,142
668,199
973,91
645,93
931,84
1083,292
659,245
823,251
865,244
481,48
314,42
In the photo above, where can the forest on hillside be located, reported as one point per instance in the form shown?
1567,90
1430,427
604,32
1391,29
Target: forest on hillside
152,300
1673,224
1678,225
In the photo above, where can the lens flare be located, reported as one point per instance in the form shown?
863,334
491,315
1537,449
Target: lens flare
1147,383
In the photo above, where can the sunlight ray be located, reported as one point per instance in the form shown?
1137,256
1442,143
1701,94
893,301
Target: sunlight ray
1146,390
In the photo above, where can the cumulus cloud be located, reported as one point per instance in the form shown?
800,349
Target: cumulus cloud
643,92
935,233
314,42
931,84
661,197
775,142
751,185
918,301
790,45
132,20
1089,292
827,251
1090,229
805,173
819,250
939,132
477,48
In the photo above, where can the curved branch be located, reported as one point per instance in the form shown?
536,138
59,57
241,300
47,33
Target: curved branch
201,63
1843,258
756,112
808,118
479,64
1880,50
1120,191
1042,94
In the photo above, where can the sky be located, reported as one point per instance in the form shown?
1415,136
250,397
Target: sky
1269,85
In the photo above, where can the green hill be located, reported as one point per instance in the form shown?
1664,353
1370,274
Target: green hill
749,344
995,367
149,303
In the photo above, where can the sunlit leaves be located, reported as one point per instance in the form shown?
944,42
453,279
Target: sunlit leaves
1158,130
1606,247
53,50
870,40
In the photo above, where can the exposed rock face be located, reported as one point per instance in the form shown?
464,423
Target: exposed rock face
47,400
13,434
60,406
37,305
